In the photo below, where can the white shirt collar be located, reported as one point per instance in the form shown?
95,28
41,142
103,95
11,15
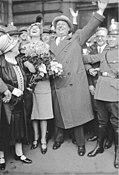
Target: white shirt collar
102,48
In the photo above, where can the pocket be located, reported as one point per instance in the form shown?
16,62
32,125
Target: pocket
115,83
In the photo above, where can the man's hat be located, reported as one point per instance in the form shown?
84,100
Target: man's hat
46,30
7,43
63,18
22,29
114,28
12,30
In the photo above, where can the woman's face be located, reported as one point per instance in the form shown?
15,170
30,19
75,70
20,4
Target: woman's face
35,31
15,49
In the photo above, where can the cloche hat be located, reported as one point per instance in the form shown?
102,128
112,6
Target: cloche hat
12,30
35,24
7,43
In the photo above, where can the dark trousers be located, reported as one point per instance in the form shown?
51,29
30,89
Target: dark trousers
78,133
108,111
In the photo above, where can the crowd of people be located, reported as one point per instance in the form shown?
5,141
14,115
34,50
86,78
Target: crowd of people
87,91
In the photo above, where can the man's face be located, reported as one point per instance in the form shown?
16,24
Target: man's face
46,37
16,37
113,40
62,28
101,37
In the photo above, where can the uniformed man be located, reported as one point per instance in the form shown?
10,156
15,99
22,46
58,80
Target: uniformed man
107,91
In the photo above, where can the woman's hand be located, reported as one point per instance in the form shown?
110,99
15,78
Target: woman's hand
7,96
30,66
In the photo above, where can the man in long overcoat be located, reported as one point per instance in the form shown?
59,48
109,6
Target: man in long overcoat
71,98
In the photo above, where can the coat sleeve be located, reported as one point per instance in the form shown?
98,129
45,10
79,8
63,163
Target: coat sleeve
3,86
91,59
90,28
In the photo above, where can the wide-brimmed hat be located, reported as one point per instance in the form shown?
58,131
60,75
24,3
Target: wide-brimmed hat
63,18
7,43
114,28
12,30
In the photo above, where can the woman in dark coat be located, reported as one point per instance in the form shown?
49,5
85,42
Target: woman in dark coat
11,72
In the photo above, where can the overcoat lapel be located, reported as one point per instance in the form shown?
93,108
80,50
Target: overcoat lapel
63,45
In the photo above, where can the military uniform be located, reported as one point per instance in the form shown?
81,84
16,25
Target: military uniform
107,95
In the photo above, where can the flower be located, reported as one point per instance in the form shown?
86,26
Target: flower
55,69
39,55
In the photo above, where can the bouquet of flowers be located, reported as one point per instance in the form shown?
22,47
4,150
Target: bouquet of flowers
55,69
38,54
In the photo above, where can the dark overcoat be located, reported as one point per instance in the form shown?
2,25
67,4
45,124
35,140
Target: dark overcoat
3,88
71,97
8,75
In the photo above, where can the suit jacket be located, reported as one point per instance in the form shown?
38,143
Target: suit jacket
93,79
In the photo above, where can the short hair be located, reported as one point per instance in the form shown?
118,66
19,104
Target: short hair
102,28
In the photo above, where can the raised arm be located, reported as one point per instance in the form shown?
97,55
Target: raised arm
95,21
74,16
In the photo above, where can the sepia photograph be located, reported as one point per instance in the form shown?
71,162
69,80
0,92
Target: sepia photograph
59,87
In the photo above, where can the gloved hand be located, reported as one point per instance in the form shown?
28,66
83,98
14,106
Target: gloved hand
30,66
17,92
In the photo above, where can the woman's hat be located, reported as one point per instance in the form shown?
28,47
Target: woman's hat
7,43
63,18
114,28
35,24
12,30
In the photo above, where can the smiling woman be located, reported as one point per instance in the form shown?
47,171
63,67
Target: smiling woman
42,102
